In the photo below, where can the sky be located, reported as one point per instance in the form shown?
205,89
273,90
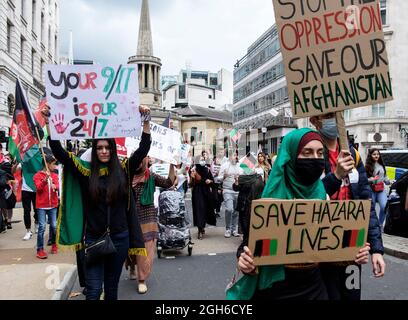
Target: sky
206,34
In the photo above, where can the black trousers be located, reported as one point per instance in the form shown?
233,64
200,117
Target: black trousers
342,282
28,199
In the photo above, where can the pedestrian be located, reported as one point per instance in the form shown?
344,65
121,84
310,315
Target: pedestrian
5,191
9,167
28,200
377,178
108,206
144,183
296,175
262,167
47,185
202,198
345,179
229,172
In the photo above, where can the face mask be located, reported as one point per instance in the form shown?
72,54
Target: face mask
308,171
329,128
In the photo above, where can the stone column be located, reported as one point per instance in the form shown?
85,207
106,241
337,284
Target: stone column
143,76
150,77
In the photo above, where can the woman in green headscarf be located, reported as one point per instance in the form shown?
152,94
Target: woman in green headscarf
295,175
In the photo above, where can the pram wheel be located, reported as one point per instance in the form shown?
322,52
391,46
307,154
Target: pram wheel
190,249
159,252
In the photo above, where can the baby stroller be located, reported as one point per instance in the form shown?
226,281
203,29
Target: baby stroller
174,232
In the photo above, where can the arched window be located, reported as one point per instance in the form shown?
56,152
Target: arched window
11,104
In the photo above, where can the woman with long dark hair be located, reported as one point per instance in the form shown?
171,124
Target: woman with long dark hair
108,206
377,177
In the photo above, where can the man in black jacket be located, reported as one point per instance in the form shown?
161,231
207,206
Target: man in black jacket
346,179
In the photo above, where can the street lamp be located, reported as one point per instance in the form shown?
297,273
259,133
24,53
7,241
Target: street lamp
264,130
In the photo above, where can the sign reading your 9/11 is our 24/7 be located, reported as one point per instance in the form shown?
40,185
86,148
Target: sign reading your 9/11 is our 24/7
93,101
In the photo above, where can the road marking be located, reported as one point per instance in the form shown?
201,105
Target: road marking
212,254
171,257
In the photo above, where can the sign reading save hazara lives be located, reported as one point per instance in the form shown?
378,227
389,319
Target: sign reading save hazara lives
93,101
334,54
305,231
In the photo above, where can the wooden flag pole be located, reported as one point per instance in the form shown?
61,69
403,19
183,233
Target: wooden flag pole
42,150
341,125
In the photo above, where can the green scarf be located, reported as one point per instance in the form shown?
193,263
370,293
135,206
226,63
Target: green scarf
282,184
147,197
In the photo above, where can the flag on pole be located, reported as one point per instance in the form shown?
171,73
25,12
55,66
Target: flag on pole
248,163
166,122
235,135
23,140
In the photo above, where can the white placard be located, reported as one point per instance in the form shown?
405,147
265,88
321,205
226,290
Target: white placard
93,101
166,144
162,169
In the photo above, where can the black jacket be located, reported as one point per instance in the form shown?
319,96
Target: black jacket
359,191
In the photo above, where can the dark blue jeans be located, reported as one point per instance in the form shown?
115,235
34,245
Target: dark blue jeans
108,271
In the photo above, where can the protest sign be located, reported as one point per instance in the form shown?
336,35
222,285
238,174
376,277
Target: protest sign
166,144
93,101
185,149
334,54
162,169
305,231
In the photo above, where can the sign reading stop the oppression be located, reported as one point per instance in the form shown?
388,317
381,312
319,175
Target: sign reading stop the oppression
334,54
93,101
305,231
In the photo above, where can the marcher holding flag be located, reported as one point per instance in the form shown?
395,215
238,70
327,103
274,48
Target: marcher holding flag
24,140
101,204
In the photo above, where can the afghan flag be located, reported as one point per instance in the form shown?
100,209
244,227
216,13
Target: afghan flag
248,163
23,140
235,135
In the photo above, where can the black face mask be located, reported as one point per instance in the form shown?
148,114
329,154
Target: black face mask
308,171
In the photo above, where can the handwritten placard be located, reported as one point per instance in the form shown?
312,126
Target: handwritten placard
166,144
162,169
93,101
334,54
305,231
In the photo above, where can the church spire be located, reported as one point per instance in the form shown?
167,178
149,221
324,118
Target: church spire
145,43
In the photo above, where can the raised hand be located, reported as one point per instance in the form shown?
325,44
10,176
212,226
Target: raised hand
58,123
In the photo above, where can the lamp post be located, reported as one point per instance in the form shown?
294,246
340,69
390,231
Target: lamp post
264,130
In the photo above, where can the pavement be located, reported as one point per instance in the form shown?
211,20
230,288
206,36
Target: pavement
25,277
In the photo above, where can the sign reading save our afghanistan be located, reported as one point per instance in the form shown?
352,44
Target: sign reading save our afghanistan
93,101
334,54
166,144
304,231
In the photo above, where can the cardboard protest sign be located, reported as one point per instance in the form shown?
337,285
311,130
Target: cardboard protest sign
305,231
166,144
162,169
93,101
334,54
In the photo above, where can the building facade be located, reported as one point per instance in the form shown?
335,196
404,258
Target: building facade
385,125
29,39
198,88
261,103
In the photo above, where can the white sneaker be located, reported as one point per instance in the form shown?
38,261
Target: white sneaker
227,234
235,234
36,228
28,236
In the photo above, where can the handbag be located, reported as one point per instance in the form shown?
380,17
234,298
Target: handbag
10,198
378,187
102,247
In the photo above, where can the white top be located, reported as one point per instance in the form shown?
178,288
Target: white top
229,170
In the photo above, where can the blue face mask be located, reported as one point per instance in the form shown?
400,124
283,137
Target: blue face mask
329,128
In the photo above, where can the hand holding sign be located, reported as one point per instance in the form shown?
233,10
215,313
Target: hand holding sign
246,261
345,163
363,254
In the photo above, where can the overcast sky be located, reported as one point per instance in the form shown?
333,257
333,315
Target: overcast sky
211,34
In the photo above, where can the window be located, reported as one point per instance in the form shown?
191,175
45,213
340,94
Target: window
41,71
22,45
33,15
33,62
11,104
55,48
9,37
23,13
182,92
42,28
378,110
383,7
193,134
200,136
49,39
347,114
